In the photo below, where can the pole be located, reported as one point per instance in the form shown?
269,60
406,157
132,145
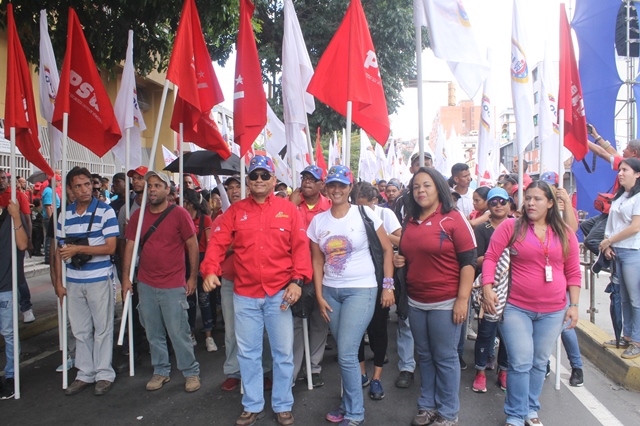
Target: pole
307,352
520,178
558,364
127,166
312,158
54,217
420,93
243,178
132,368
14,271
560,146
181,165
347,158
63,266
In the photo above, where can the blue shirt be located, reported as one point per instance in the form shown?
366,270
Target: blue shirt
47,200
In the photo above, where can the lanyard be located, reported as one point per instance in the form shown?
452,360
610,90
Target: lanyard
544,244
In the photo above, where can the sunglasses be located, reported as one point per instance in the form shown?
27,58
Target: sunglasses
255,175
496,201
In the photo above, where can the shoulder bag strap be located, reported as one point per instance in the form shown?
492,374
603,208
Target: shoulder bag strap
93,215
155,225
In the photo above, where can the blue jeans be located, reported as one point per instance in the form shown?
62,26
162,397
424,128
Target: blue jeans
406,360
436,338
627,266
166,309
6,329
352,311
485,342
530,338
253,316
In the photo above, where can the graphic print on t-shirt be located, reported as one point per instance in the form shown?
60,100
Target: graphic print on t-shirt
337,251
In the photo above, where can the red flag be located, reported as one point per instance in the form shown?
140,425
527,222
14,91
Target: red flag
320,156
570,93
250,101
204,132
82,95
20,109
348,71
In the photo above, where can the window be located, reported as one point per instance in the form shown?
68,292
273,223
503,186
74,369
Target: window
536,143
535,74
536,97
535,120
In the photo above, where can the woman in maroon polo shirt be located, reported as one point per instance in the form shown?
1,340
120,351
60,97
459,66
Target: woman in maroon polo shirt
438,247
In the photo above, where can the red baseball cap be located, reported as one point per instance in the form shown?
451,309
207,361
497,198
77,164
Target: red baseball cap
141,170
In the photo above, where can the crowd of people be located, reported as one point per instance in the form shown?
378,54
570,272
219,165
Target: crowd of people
350,250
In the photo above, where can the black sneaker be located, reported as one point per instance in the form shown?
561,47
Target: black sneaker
316,380
463,365
7,390
576,378
404,380
546,374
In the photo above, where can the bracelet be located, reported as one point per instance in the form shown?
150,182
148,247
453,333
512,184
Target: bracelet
598,138
574,304
388,286
606,146
18,228
387,280
297,281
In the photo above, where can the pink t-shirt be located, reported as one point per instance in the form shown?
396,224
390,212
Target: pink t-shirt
529,289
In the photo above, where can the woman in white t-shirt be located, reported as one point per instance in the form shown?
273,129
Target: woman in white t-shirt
622,243
345,283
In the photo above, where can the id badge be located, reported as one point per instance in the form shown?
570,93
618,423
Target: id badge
548,273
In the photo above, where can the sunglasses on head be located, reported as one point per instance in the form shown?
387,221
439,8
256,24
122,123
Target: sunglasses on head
496,201
255,175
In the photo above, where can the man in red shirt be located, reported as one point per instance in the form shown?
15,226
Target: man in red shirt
310,202
272,261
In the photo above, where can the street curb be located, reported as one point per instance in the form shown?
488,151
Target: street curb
625,372
42,324
36,270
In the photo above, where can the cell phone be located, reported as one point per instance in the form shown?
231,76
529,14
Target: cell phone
590,128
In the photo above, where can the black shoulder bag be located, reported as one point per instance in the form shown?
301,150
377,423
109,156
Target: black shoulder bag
375,246
79,260
150,231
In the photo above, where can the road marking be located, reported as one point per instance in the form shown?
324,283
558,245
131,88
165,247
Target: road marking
37,358
591,403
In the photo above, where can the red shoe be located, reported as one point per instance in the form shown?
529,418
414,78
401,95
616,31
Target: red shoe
267,384
502,380
230,384
479,383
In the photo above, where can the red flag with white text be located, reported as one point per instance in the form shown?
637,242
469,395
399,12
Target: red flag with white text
348,71
570,93
20,108
81,94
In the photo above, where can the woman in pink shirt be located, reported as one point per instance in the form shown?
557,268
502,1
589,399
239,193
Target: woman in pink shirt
544,264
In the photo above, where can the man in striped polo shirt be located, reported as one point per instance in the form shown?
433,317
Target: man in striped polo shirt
90,290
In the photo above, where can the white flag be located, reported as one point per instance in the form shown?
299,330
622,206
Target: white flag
381,163
367,161
488,148
276,147
169,157
49,82
452,39
334,151
127,112
392,161
521,82
441,161
296,74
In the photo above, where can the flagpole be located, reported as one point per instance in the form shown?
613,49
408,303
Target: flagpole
14,270
127,211
420,93
152,157
54,217
292,163
520,178
63,266
561,145
243,183
181,164
347,150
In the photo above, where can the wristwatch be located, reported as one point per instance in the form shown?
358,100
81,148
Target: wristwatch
297,281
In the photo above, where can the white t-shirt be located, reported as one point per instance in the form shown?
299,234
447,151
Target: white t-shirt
622,211
465,203
389,219
345,247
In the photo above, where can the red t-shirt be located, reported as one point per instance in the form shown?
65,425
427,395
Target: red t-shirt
615,165
308,214
159,266
5,197
202,242
431,249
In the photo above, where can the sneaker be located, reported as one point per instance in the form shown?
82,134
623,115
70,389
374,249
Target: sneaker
424,417
7,390
230,384
317,380
366,338
27,316
249,419
491,363
404,380
284,418
365,381
533,422
211,344
76,387
70,363
633,351
463,365
502,379
349,422
375,390
622,343
386,359
192,383
546,374
471,334
335,416
102,387
157,381
577,378
479,383
194,342
441,421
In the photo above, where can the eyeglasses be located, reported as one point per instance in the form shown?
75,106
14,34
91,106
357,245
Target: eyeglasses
255,175
309,178
494,202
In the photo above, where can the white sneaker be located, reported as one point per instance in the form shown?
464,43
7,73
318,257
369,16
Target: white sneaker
70,363
471,335
27,316
211,344
194,342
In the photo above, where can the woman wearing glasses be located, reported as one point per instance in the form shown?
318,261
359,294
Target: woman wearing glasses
544,265
345,282
498,203
439,250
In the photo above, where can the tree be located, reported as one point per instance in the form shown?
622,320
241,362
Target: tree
392,31
106,23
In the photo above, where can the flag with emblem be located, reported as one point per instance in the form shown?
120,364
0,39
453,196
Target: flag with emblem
49,79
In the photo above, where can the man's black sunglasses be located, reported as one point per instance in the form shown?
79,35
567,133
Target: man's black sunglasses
255,175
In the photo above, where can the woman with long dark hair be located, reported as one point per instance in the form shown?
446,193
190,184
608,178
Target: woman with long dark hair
622,243
544,265
439,250
480,213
